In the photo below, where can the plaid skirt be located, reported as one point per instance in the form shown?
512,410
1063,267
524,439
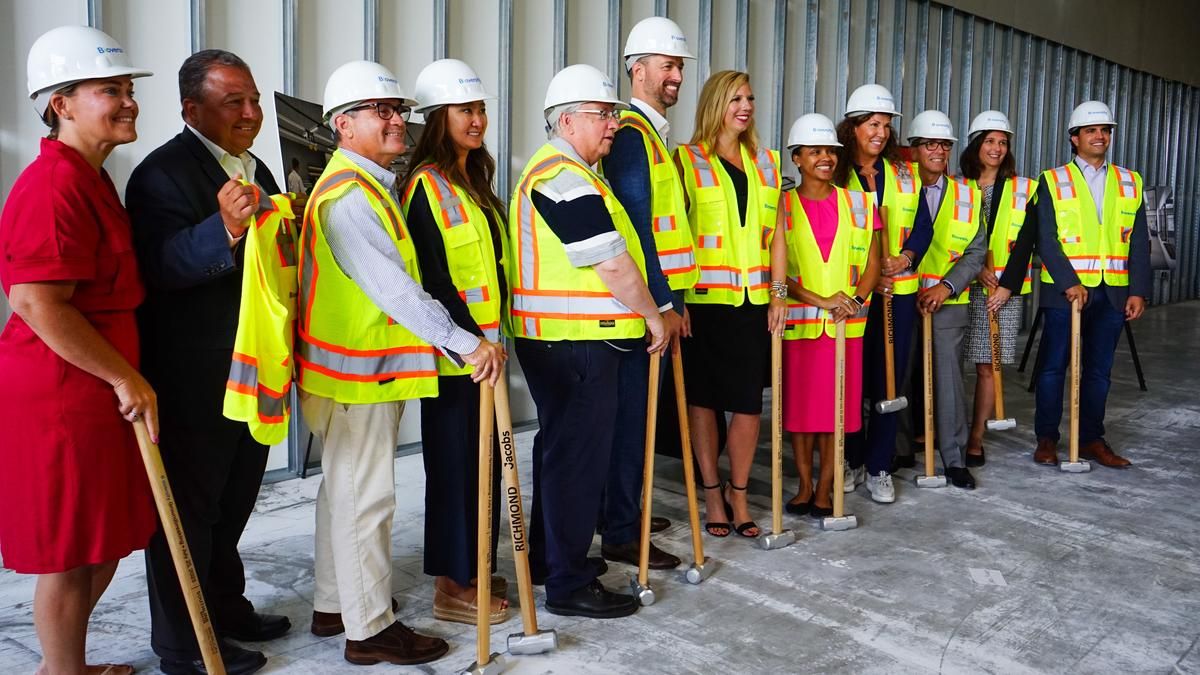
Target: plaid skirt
979,348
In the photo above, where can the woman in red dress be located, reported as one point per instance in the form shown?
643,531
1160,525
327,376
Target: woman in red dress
74,498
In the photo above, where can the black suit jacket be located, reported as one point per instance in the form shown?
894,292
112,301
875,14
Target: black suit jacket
192,276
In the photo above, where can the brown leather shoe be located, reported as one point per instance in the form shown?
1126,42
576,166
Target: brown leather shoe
1047,452
328,624
1101,453
628,553
396,644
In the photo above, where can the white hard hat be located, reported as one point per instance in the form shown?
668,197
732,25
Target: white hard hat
580,83
931,124
445,82
657,35
989,120
69,54
359,81
871,98
1089,113
812,129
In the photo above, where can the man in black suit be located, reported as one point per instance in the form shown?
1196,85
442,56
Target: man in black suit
189,214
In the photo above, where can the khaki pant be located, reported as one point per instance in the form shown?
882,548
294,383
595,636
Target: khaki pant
355,505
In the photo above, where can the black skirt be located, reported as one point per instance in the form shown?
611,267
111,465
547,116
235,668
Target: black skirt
727,361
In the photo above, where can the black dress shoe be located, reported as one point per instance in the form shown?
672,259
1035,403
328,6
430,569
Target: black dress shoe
254,627
594,601
599,567
798,509
960,477
658,524
628,553
976,460
238,661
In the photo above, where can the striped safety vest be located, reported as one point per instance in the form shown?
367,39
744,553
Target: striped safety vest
1099,252
735,260
668,211
470,254
954,228
847,261
350,350
260,376
902,197
1011,206
550,298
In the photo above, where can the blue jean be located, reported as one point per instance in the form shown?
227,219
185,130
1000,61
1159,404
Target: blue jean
1100,329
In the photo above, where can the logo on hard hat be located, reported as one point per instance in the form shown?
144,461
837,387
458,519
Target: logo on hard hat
941,125
884,99
389,80
823,130
109,50
469,80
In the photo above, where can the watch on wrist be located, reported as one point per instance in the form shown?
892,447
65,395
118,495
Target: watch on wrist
947,285
859,300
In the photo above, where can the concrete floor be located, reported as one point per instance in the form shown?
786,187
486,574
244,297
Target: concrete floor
1036,571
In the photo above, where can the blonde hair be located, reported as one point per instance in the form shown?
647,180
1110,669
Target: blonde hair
718,91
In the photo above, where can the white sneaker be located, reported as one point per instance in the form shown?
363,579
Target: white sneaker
881,488
852,478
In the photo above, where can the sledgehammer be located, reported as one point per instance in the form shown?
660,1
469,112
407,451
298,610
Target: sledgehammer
892,403
640,585
1001,423
777,537
839,520
532,640
1073,463
486,662
930,479
702,566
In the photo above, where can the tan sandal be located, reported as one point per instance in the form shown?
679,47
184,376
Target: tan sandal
499,587
446,607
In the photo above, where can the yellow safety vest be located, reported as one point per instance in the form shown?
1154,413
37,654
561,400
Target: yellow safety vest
470,254
735,260
550,298
955,227
1010,206
260,375
1099,252
902,198
847,260
350,350
668,211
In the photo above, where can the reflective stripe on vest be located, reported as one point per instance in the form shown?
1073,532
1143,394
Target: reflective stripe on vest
551,299
260,373
471,257
349,350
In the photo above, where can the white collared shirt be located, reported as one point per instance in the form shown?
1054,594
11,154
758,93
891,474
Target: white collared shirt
1095,179
244,164
661,124
934,194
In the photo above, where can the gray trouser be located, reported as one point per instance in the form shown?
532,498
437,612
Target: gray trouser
949,393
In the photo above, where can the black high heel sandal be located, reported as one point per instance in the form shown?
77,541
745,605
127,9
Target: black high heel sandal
741,528
710,525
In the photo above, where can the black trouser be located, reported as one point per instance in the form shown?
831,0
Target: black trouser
450,449
215,468
574,385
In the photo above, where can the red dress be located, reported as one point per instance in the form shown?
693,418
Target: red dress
73,490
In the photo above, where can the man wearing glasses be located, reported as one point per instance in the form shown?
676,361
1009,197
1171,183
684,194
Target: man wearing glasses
366,343
577,277
954,258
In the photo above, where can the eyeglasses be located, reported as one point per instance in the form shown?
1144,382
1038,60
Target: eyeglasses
385,110
604,115
930,145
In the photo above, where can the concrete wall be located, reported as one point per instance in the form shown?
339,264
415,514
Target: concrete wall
803,55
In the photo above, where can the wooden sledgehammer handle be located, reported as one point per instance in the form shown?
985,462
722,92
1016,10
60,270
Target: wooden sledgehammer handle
777,433
685,441
483,547
648,467
164,500
927,360
994,341
1076,311
889,321
839,421
513,507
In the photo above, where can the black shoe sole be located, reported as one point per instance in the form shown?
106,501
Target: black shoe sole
614,613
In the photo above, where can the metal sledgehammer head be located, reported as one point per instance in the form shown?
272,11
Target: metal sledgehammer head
931,481
494,666
539,643
700,571
644,594
891,405
1082,466
846,522
1001,425
774,540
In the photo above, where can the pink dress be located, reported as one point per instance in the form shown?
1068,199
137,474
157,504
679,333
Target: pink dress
808,365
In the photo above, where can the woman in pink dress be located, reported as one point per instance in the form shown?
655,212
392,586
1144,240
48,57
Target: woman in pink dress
832,261
74,498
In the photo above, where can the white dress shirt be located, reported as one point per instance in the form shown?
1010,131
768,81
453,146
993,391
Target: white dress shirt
1095,179
661,124
243,164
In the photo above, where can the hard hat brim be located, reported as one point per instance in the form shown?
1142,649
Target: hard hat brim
680,54
339,109
856,113
429,107
117,71
834,144
617,103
